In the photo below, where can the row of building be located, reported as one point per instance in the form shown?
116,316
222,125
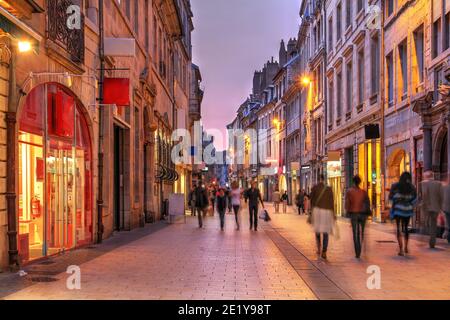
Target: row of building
90,93
362,90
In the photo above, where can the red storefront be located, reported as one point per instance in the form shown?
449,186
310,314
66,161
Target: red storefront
55,187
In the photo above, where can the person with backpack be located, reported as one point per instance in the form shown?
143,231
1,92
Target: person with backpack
403,196
357,206
323,216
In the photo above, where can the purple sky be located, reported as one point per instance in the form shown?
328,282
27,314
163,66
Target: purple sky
232,39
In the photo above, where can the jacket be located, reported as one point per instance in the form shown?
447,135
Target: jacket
253,196
402,204
326,201
355,201
221,203
431,196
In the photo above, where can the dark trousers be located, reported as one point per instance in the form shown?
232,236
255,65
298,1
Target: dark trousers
253,211
201,213
301,209
222,218
236,214
322,244
358,225
432,221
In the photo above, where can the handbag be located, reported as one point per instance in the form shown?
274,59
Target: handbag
310,216
367,208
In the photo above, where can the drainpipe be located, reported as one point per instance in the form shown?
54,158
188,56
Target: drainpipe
100,227
324,79
11,195
382,110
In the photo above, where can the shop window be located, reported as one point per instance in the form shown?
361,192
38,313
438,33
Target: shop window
55,177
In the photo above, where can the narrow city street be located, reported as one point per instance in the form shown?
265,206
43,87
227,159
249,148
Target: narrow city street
181,262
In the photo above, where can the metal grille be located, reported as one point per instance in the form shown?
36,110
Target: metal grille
71,40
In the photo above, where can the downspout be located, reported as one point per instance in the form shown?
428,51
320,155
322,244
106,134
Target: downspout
325,82
11,195
382,106
100,227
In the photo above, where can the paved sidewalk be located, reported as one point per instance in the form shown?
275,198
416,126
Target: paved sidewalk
424,274
183,262
278,262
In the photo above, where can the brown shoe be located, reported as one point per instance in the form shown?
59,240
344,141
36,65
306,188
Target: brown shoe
324,255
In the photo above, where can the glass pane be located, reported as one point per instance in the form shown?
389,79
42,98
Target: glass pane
31,197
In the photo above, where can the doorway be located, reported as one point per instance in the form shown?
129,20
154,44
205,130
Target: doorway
119,187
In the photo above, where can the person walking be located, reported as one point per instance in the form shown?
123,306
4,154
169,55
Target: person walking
307,203
212,199
430,196
228,195
323,215
221,207
253,197
446,205
357,205
403,196
276,198
236,194
300,202
285,200
201,203
192,202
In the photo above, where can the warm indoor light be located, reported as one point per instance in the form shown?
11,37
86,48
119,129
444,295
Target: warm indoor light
24,46
276,122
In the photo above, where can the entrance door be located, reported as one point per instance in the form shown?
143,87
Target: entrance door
61,196
119,196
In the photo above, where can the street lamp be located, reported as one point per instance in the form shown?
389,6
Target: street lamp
24,46
306,81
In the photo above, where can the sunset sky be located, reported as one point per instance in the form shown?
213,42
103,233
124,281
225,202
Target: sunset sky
232,39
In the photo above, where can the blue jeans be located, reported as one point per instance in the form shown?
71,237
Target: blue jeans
222,218
253,210
447,216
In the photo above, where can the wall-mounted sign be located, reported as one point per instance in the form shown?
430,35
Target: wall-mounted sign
334,169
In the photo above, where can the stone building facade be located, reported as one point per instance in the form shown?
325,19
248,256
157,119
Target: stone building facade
85,129
353,87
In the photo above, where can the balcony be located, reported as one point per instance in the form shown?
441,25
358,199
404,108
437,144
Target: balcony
60,35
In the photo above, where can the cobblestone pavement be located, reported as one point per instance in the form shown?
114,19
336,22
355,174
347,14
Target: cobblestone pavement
182,262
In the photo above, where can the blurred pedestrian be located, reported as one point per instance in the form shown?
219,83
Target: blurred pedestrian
446,205
285,200
253,197
192,201
212,199
430,197
276,198
228,195
300,202
201,203
307,203
221,207
357,206
236,195
323,215
403,196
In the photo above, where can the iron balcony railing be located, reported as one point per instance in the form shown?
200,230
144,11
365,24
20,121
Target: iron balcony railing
68,37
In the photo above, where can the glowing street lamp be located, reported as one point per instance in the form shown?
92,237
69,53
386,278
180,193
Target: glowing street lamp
24,46
306,81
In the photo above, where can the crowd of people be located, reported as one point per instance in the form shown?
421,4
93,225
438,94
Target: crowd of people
319,206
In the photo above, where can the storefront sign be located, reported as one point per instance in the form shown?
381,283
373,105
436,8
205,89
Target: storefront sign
334,169
117,91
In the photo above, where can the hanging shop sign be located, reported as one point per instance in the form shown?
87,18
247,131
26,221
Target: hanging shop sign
334,169
117,91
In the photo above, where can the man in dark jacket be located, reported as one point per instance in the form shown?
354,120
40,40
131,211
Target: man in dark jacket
201,203
221,207
253,198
